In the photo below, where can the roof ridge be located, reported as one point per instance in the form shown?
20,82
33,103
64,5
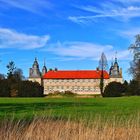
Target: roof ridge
75,74
76,70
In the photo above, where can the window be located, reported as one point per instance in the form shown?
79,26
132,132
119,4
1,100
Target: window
72,87
75,88
78,88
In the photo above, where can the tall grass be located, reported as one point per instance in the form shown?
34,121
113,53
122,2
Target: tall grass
53,129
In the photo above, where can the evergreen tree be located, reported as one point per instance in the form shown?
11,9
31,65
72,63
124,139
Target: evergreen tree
114,89
11,68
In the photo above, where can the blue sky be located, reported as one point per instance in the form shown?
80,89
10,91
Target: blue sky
69,34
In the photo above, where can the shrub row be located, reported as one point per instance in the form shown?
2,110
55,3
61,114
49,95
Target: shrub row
9,88
116,89
65,93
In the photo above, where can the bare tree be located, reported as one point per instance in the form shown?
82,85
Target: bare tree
102,66
18,74
14,73
2,76
135,64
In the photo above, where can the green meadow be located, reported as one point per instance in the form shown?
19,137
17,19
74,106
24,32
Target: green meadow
70,107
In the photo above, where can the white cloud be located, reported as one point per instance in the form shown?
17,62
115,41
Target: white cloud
127,1
85,50
13,39
107,10
35,6
130,33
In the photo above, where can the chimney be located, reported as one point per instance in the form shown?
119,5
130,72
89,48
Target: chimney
121,72
55,69
50,69
97,68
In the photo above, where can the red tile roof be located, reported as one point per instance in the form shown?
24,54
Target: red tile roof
75,74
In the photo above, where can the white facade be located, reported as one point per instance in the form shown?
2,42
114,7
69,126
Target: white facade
36,80
120,80
79,86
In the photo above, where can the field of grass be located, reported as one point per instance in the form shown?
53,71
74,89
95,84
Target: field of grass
68,107
47,129
70,118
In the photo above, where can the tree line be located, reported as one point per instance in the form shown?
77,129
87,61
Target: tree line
116,89
14,84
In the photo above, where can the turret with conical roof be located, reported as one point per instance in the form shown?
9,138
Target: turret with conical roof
114,70
44,69
34,71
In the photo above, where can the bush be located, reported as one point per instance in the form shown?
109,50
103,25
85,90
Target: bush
125,85
133,88
69,93
4,88
65,93
29,89
113,89
55,93
8,88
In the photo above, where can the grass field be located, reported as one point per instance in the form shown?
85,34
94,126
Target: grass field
68,107
70,118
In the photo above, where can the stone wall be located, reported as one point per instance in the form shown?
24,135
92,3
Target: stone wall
36,80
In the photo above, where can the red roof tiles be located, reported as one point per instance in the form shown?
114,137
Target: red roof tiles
75,74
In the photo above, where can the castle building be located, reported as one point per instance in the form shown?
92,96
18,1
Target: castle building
77,81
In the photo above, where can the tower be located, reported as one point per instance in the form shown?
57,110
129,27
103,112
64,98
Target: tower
34,72
115,72
44,69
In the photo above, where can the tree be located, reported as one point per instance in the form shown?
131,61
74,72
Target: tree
133,88
20,89
14,73
135,64
18,74
113,89
125,85
11,68
13,86
2,76
29,89
4,88
102,66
